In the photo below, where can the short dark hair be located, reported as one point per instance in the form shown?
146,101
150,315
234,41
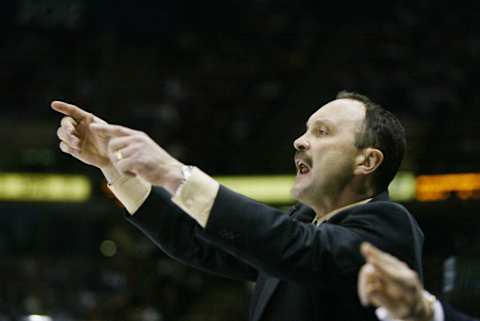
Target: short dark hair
381,129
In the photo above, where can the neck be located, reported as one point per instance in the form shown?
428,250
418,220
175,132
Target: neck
329,203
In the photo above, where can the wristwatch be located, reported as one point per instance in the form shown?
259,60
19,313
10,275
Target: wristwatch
186,171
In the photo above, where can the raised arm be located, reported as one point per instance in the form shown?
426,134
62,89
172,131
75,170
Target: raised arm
173,231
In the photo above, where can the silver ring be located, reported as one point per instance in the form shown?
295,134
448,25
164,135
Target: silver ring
119,155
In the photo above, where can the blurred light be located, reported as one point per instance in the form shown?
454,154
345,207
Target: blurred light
403,187
440,187
35,317
268,189
108,248
44,187
276,189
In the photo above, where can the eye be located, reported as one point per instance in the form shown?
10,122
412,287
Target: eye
320,131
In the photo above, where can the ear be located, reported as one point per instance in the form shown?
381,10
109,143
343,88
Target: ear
368,161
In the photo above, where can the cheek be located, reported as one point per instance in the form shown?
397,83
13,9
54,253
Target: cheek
334,161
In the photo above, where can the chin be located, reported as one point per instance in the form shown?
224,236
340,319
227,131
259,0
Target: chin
297,193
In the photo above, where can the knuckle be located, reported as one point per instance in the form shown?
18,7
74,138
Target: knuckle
139,138
412,275
139,147
63,147
111,145
143,135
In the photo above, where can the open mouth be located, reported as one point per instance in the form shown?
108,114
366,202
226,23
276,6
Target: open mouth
302,167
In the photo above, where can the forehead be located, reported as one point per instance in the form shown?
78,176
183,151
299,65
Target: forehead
340,112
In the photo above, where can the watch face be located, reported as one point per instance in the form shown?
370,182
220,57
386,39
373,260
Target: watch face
187,171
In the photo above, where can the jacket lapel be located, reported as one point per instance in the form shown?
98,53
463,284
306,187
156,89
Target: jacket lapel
267,291
301,213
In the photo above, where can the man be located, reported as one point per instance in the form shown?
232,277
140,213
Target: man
386,282
305,262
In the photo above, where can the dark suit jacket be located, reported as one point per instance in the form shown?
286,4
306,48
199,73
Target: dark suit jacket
303,272
452,315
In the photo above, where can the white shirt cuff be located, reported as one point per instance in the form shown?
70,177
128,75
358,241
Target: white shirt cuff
438,314
131,191
197,195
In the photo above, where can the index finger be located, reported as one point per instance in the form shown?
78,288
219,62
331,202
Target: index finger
69,110
384,262
374,254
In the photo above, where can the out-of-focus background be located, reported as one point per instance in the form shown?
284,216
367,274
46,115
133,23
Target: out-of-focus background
227,86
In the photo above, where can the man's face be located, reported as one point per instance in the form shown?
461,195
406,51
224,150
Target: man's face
326,152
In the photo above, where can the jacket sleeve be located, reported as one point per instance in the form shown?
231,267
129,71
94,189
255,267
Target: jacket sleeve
180,237
286,248
453,315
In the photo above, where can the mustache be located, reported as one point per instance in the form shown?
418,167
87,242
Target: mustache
301,155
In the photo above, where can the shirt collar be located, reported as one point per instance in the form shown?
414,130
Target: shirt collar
319,220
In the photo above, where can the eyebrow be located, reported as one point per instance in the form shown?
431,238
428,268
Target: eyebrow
324,122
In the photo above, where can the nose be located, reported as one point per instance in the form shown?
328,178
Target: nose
301,143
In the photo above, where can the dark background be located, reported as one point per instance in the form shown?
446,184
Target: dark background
227,86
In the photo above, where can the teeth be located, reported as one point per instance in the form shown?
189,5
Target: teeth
303,169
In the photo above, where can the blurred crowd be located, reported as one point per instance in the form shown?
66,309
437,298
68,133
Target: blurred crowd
246,74
132,282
